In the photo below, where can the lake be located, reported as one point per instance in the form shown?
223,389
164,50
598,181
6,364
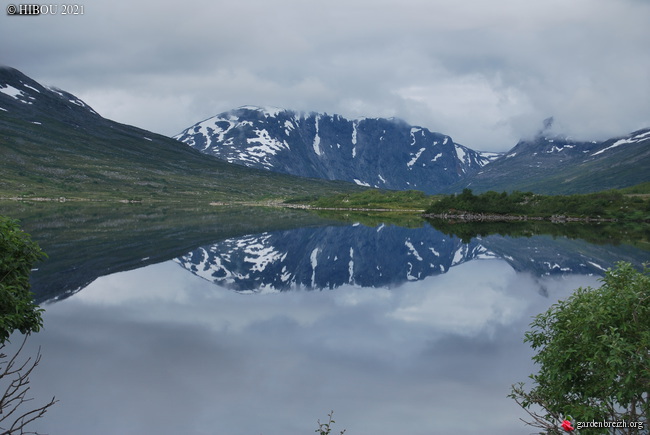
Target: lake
261,321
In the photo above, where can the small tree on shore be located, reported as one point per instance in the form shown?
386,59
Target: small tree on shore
593,353
18,312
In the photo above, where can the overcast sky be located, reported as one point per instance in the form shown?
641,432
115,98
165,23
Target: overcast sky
484,72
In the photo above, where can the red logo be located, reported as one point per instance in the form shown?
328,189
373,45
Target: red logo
566,425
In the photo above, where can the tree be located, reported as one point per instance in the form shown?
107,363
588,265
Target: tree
593,352
18,253
18,312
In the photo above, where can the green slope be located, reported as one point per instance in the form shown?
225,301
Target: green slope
53,147
530,166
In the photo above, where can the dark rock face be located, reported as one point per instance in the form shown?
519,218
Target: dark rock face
377,152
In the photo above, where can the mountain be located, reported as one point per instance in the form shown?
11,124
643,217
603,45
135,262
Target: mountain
391,154
561,165
377,152
31,98
54,145
328,257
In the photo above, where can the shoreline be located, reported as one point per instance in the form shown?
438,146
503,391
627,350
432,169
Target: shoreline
482,217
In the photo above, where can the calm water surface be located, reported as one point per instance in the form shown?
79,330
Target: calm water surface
430,345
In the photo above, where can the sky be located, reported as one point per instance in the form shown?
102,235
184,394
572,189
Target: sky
487,73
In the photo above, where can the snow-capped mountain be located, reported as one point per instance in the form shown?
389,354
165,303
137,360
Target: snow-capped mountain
28,96
377,152
561,165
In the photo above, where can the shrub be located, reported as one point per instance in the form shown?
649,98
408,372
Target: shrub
593,352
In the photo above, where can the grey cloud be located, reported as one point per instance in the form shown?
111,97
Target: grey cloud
484,73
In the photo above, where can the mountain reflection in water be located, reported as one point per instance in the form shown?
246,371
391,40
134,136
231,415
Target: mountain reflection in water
382,256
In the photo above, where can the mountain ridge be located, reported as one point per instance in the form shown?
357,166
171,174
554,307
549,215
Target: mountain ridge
561,165
389,153
384,153
54,145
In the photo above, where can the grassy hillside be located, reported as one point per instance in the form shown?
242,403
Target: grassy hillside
106,160
556,168
631,203
54,145
642,189
622,169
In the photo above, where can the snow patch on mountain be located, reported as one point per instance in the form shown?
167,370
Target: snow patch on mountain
313,258
557,149
412,250
316,143
288,127
459,152
260,256
488,156
416,157
634,139
11,91
31,87
267,144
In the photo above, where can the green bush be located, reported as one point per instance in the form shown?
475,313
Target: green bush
593,353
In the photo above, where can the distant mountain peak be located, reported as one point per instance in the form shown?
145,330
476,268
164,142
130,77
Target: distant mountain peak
266,110
16,87
555,164
547,124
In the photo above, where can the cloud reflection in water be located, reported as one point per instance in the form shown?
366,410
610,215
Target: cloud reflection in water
159,350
